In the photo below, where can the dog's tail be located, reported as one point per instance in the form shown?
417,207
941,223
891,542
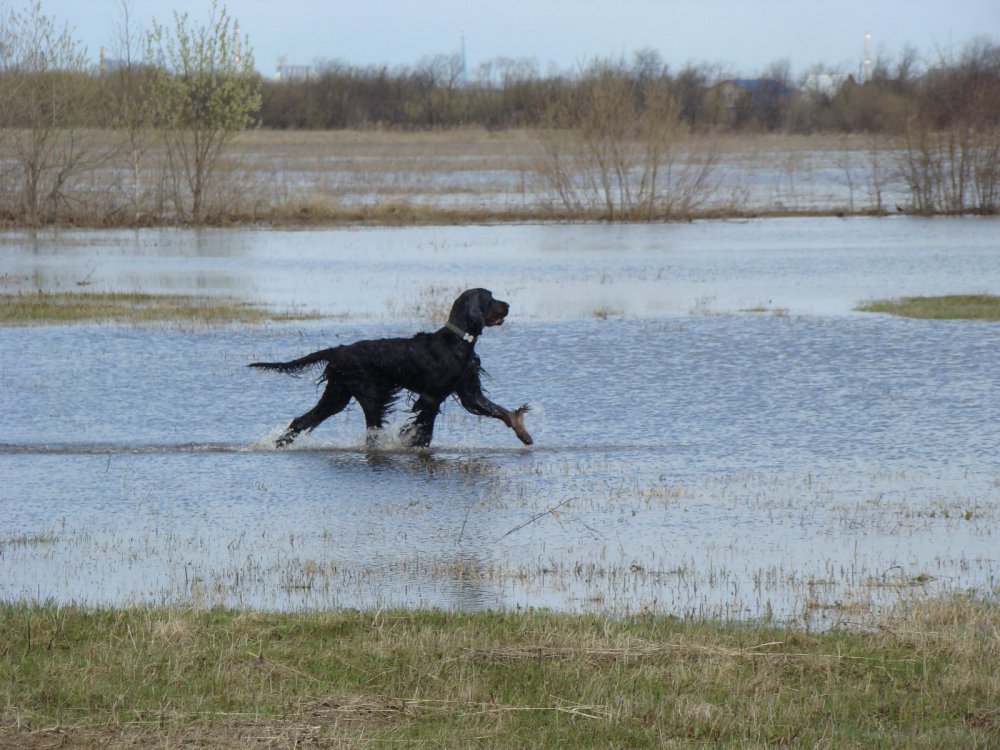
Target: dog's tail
297,366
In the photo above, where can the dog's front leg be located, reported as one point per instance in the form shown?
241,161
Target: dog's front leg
471,396
419,431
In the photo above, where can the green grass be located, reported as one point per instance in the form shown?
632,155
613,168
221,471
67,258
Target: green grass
946,307
39,308
87,678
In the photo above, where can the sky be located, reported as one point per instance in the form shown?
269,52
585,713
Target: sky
743,37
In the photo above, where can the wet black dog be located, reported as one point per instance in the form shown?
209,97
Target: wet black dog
432,366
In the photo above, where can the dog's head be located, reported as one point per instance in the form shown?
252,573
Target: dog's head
475,309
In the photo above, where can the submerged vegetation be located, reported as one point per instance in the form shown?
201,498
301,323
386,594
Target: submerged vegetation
83,678
944,307
135,308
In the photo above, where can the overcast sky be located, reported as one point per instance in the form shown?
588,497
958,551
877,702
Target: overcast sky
744,36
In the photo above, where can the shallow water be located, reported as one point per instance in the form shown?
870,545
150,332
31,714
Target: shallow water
806,463
803,266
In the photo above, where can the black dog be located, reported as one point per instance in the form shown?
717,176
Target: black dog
432,366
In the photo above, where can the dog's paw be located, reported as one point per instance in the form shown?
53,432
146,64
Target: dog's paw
285,439
517,424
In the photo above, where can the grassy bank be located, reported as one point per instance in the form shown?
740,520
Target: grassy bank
179,677
946,307
37,308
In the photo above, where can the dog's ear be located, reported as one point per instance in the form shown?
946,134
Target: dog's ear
469,310
478,304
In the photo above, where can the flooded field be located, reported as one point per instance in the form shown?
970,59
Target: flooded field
716,432
472,175
509,172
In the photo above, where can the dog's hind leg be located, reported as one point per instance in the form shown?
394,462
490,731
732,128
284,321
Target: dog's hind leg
375,405
333,400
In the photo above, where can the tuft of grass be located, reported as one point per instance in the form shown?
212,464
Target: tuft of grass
945,307
83,678
27,540
36,308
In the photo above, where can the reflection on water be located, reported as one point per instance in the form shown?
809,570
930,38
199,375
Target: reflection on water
809,467
550,272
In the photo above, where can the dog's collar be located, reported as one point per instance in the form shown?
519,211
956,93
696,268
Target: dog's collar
460,333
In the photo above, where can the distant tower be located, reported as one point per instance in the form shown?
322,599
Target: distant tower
463,71
866,66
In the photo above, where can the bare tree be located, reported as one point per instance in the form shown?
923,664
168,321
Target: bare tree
648,63
43,94
438,77
130,81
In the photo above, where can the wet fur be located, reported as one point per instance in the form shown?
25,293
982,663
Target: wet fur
432,366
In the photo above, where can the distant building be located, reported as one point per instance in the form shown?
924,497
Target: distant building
463,69
110,64
729,100
286,72
826,84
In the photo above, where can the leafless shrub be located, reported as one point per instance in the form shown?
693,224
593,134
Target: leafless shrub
43,91
613,149
867,166
954,170
129,87
952,158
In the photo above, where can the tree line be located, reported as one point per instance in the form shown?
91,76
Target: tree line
510,93
501,93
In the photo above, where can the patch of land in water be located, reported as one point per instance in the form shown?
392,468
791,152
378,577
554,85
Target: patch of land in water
942,307
42,308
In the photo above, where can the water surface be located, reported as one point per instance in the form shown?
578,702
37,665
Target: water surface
800,461
807,266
